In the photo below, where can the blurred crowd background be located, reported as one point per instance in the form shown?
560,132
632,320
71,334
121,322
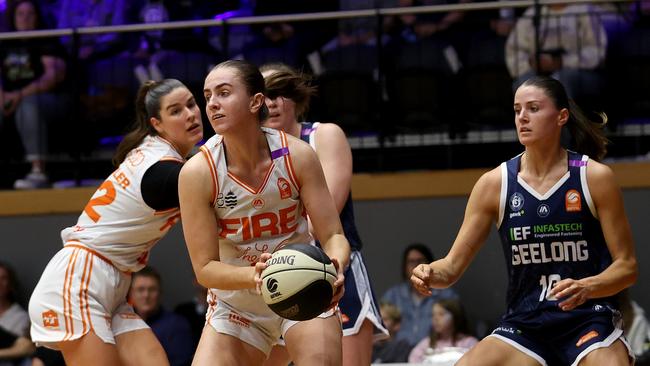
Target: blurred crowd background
415,84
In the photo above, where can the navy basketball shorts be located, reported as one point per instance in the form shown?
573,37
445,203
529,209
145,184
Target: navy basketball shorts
359,302
562,338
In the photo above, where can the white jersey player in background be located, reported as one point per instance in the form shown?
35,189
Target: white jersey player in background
79,305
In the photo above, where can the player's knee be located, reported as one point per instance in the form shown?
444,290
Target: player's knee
319,357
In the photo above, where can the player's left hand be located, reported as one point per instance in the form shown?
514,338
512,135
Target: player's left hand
572,293
339,289
259,267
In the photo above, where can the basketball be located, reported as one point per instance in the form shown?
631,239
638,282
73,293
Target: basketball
298,282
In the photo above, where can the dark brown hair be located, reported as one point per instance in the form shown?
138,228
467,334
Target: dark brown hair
458,317
587,136
252,78
147,105
284,81
420,248
12,294
147,272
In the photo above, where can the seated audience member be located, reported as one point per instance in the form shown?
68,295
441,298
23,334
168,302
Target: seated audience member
171,329
636,327
47,357
13,347
449,333
13,318
32,73
572,45
414,307
93,13
390,350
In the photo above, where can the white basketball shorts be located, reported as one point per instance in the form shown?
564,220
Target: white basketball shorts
81,291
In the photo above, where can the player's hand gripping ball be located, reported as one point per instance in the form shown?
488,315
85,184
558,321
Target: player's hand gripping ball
297,283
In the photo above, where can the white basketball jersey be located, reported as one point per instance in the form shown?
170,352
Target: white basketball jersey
255,220
116,222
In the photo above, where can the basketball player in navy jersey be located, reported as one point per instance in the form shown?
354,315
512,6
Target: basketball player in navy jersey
565,235
288,96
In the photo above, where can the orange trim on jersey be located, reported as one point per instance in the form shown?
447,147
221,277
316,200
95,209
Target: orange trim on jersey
78,245
287,160
249,188
167,211
213,174
171,158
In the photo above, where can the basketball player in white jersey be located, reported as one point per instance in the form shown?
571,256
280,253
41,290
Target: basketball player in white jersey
79,305
245,196
288,93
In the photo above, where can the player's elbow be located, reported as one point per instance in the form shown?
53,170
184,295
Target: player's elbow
202,276
633,271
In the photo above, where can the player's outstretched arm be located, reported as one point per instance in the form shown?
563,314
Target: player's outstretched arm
481,212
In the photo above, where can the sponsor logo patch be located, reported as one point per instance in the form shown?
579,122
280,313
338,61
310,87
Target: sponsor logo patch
50,319
543,210
239,320
572,201
258,203
284,188
586,338
516,201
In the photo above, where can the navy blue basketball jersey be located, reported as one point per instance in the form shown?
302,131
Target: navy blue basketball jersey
548,237
347,214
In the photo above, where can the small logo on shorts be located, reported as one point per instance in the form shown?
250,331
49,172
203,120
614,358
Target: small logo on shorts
592,334
50,319
239,320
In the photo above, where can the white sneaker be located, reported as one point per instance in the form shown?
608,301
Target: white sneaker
32,181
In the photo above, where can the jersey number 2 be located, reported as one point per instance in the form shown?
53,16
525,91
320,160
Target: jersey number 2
104,199
547,283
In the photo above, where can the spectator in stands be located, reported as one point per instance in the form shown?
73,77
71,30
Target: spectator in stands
390,350
360,30
636,326
288,42
414,307
13,347
13,318
92,13
572,44
33,73
449,329
194,311
172,330
47,357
